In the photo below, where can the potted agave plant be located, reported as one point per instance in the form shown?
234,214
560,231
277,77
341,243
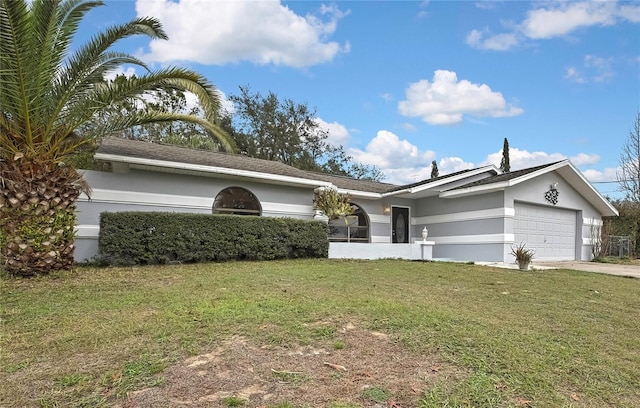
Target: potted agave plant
523,256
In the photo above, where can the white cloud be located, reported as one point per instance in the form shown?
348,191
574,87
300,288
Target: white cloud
594,69
555,19
386,149
574,75
564,17
408,127
630,13
453,164
400,160
387,97
338,133
608,174
423,9
192,100
601,66
445,100
498,42
583,159
522,159
128,72
263,32
485,5
225,104
404,163
407,174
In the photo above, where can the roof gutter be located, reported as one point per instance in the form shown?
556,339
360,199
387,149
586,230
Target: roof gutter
431,185
448,180
360,194
352,193
488,188
397,192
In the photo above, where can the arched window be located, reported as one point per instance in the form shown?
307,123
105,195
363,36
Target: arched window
236,200
352,228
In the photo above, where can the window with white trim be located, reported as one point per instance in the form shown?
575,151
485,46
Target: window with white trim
238,201
350,228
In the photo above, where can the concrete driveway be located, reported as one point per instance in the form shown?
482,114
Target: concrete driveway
632,271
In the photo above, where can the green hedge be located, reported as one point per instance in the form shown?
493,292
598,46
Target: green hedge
139,238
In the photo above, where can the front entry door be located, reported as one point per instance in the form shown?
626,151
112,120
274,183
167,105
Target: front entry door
399,225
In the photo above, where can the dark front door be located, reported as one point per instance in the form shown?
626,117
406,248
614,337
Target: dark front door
399,225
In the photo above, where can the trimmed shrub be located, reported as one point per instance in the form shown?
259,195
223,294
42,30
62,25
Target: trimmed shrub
140,238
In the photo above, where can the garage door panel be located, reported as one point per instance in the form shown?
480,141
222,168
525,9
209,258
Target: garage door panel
550,232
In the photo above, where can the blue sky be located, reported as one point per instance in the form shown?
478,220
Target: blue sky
402,83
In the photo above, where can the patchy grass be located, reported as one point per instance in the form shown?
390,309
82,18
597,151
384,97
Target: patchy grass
625,260
233,401
376,394
549,338
289,376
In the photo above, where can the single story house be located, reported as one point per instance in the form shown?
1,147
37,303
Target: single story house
471,215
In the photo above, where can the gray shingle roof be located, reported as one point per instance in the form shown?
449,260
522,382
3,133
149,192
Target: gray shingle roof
433,180
156,151
162,152
505,176
349,183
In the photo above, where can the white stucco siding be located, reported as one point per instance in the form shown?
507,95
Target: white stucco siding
465,228
174,191
481,227
570,206
153,191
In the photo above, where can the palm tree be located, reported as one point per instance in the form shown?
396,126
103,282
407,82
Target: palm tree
47,92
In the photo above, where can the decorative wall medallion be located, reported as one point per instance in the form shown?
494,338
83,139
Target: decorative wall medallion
552,195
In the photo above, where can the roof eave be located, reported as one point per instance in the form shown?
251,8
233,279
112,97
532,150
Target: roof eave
396,192
360,194
499,186
353,193
602,204
592,195
469,191
447,180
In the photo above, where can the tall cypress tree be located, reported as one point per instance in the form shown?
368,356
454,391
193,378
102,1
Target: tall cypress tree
434,169
505,166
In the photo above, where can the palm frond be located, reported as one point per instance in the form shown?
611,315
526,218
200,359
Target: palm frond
92,60
207,94
14,63
105,95
48,92
70,15
105,64
149,117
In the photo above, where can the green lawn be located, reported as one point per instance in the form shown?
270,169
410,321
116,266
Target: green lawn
536,339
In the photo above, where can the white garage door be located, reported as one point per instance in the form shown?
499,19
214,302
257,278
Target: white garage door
550,232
